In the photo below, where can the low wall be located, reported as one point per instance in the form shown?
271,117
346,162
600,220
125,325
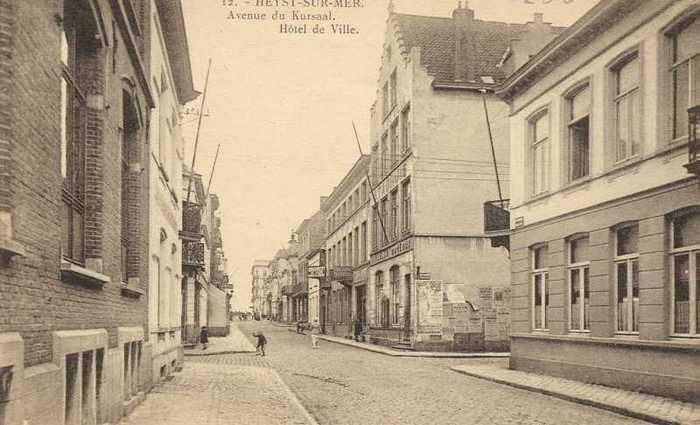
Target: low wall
663,368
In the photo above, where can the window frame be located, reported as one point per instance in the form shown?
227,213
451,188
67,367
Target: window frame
395,282
570,123
628,260
406,128
543,273
673,64
406,218
583,269
634,54
533,144
693,254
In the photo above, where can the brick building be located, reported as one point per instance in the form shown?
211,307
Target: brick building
432,170
605,217
258,273
74,109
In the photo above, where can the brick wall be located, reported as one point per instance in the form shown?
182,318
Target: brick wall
34,301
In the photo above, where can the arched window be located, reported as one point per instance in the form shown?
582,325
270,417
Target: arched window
378,292
395,294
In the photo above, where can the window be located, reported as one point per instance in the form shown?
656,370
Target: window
392,89
539,147
579,285
379,295
406,207
579,105
375,227
394,222
351,257
627,279
685,264
356,247
363,192
627,108
685,74
395,294
357,203
540,289
386,161
77,44
406,129
383,211
363,249
385,98
394,150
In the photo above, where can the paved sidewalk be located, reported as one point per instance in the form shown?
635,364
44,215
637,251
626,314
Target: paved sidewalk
211,394
399,353
642,406
234,343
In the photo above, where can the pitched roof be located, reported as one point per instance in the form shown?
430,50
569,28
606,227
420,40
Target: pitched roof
483,45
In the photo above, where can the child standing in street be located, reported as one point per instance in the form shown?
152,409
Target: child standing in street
261,341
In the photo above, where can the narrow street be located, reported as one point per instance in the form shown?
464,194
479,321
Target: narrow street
344,385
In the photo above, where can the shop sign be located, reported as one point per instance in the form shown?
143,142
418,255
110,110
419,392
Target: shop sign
392,251
317,271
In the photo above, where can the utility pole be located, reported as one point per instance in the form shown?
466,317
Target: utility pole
493,150
196,137
369,182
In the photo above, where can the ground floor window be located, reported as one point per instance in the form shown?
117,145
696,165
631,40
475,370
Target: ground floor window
540,288
685,264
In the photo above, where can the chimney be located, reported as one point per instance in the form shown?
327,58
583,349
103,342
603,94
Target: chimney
539,18
462,18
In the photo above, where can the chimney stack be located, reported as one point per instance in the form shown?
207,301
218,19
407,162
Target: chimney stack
462,18
539,18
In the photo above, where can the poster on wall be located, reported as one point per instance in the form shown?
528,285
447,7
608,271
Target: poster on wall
430,299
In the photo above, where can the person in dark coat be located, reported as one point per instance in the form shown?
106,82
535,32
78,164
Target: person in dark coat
204,337
261,341
357,329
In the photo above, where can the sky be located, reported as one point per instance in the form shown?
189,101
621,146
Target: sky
282,105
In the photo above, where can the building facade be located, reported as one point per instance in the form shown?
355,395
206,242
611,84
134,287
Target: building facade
432,169
171,82
347,251
605,217
196,257
220,289
258,273
74,208
311,238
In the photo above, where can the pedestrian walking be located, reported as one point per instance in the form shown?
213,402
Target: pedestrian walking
204,337
261,341
314,336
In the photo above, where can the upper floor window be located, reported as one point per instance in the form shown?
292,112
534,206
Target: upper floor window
394,134
392,89
579,285
394,220
628,123
363,243
363,192
685,74
627,278
685,263
405,129
539,152
540,288
77,48
579,106
385,98
386,161
406,207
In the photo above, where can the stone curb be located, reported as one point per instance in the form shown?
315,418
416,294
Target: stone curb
216,353
415,354
656,419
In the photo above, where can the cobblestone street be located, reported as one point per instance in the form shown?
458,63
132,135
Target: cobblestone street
344,385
